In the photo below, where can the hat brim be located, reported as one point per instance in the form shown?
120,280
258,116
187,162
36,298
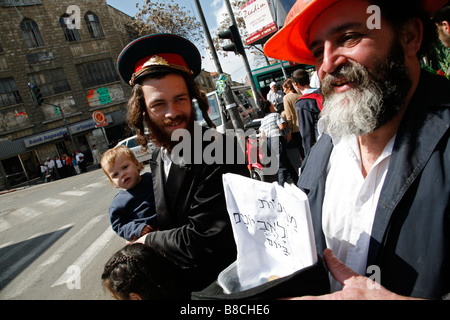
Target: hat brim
290,42
155,44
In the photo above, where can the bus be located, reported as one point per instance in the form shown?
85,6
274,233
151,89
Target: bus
262,77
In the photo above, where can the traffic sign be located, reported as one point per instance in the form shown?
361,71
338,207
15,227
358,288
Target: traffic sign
99,118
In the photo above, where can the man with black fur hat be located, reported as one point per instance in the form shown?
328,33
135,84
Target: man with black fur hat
194,226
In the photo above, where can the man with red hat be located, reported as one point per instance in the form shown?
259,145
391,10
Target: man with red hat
194,226
378,178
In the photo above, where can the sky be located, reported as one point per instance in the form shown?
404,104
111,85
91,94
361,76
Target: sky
213,10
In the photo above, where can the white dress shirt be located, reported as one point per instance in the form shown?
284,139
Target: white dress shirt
350,202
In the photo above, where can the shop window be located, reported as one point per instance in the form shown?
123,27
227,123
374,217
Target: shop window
31,33
97,73
93,24
68,26
50,81
9,95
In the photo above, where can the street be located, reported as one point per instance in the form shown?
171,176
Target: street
55,239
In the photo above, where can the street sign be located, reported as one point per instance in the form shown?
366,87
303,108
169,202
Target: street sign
99,118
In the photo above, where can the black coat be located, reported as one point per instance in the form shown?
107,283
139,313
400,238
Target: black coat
195,230
410,239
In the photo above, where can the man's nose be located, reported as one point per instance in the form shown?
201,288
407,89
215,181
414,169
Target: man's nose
332,59
171,111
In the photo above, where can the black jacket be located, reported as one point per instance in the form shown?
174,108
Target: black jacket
195,230
410,240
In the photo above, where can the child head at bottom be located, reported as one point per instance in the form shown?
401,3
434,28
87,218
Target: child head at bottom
139,272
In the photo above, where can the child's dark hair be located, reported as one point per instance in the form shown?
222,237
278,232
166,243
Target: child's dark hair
265,106
142,270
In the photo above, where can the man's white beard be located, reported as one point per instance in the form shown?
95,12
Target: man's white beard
353,112
374,101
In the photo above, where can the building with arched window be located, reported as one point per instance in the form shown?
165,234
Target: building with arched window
68,50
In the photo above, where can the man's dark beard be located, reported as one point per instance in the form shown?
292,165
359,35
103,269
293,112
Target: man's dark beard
161,138
376,99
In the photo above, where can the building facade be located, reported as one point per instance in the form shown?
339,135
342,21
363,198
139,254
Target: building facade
68,49
69,52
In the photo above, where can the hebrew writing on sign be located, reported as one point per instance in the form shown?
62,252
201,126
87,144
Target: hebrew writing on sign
272,228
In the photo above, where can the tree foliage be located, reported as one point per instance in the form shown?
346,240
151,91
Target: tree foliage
166,17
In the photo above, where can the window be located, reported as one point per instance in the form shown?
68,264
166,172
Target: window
97,73
93,24
50,81
9,95
68,25
31,33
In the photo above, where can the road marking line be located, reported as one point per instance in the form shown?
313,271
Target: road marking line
4,225
74,193
88,255
18,246
31,278
95,185
30,256
25,213
52,202
72,241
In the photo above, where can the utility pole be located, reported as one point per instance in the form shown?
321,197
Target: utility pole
231,105
256,93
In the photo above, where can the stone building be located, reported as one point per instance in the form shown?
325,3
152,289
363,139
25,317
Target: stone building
69,52
68,49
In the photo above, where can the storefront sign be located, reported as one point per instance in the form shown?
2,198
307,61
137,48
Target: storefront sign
60,132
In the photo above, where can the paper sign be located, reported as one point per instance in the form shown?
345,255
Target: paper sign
272,229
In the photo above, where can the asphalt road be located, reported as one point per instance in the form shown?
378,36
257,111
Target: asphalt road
55,239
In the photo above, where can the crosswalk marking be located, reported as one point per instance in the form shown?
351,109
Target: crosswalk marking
24,274
88,255
52,202
72,241
17,247
25,213
74,193
30,256
95,185
4,224
31,278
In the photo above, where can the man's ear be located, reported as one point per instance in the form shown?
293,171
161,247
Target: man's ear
135,296
446,26
411,36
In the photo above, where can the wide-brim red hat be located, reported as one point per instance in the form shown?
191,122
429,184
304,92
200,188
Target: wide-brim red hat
154,52
289,43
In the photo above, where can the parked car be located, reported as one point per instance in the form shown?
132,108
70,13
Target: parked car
141,154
